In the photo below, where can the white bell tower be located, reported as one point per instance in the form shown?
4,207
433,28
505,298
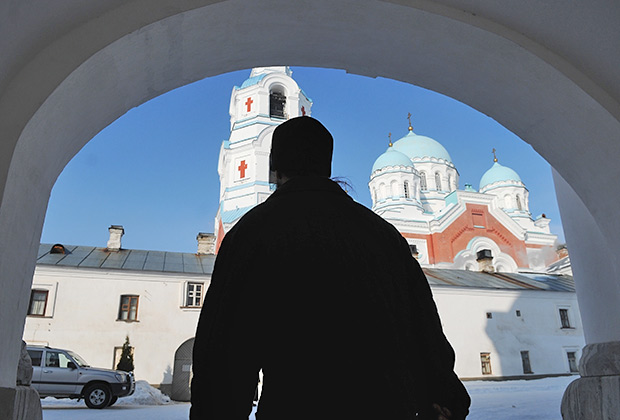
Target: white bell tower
267,98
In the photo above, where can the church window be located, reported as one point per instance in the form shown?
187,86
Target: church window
423,181
374,194
194,294
489,315
518,312
382,192
525,361
507,202
519,206
438,181
277,103
478,219
394,190
406,187
564,319
485,361
128,309
572,361
449,182
38,302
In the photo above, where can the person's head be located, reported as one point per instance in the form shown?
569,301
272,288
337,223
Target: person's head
301,146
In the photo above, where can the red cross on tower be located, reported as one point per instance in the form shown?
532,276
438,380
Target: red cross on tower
303,111
249,103
242,167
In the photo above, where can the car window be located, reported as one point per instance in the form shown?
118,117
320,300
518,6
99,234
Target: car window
36,356
56,359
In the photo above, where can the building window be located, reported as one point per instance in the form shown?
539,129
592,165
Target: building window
518,312
489,315
525,360
277,102
449,182
194,294
423,181
519,206
38,302
485,360
478,219
572,361
438,181
128,309
406,187
564,318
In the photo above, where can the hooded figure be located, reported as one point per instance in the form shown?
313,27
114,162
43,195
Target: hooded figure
324,296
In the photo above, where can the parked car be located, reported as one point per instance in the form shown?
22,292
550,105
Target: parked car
64,374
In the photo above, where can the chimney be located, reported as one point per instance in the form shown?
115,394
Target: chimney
485,261
116,233
206,243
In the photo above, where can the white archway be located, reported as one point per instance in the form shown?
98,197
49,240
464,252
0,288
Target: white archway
80,66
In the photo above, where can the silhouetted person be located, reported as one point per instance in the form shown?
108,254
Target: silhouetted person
325,297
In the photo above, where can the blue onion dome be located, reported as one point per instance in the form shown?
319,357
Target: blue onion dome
498,173
415,146
391,158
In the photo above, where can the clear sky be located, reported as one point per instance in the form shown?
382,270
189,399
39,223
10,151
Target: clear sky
154,170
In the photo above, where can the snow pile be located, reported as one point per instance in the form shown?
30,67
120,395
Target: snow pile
145,394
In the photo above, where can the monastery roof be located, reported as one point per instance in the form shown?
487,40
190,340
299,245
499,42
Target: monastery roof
415,146
182,262
391,158
127,259
498,173
510,281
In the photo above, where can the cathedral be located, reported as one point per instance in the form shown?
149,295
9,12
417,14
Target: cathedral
413,185
485,256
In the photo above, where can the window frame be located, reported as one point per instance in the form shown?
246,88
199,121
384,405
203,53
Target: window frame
485,363
186,301
423,184
121,308
438,181
568,352
406,189
32,293
565,325
526,362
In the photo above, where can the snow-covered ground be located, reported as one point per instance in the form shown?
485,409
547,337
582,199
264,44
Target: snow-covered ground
510,400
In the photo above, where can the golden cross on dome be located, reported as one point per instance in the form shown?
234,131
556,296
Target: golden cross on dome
494,155
390,137
409,118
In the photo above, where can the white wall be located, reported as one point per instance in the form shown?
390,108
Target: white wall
505,335
85,311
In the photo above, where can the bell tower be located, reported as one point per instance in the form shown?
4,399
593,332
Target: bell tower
266,99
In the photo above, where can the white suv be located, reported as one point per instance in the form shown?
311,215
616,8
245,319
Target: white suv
63,374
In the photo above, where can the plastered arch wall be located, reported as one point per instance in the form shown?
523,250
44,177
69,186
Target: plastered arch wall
80,65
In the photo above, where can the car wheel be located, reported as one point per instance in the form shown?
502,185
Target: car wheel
112,401
97,396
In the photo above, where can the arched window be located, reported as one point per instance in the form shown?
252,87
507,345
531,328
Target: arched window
422,181
277,103
438,181
394,190
507,202
382,192
374,194
406,187
450,183
519,206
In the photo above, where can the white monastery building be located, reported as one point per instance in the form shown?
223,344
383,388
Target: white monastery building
488,261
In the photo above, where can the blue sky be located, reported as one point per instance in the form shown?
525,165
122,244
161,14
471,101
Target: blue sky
154,170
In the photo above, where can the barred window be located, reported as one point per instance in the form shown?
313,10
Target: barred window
423,181
128,309
406,186
438,181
